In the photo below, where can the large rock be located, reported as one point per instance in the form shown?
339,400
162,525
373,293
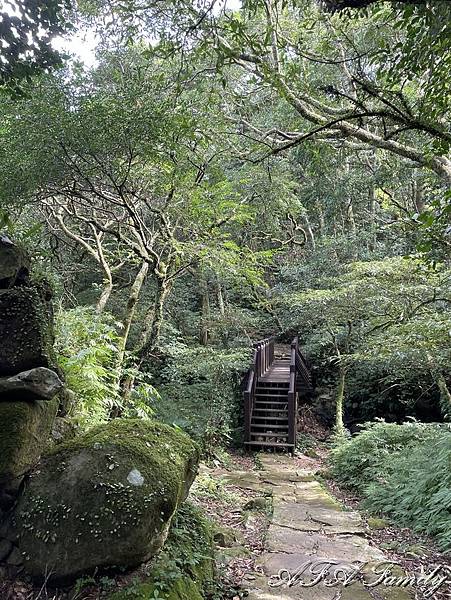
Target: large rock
14,264
36,384
26,330
24,432
189,550
104,499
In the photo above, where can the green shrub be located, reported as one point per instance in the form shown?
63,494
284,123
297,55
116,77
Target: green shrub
403,471
200,391
367,456
417,492
86,345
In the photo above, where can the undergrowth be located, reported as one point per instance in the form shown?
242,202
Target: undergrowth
403,471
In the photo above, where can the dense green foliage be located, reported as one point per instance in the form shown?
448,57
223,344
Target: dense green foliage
387,322
86,344
26,31
390,466
225,173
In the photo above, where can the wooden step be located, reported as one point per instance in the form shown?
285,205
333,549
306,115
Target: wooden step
269,418
277,410
260,395
272,400
274,390
269,426
283,402
268,434
271,444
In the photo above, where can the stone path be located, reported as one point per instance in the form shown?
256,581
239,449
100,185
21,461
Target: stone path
308,526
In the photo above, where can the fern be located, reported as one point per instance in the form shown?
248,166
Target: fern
403,471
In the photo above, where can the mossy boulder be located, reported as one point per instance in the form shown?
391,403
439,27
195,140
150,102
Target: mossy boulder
24,432
185,568
14,264
104,499
26,329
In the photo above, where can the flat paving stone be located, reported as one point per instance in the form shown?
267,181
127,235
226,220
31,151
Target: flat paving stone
309,517
246,481
315,544
320,592
307,525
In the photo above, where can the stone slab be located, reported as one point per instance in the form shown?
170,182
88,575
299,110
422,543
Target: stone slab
315,544
305,517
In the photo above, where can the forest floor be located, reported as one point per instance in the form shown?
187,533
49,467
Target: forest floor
280,514
274,513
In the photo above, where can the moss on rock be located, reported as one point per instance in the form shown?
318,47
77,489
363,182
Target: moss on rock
24,433
184,569
104,499
26,330
377,523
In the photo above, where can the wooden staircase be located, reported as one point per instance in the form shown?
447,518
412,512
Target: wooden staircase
271,395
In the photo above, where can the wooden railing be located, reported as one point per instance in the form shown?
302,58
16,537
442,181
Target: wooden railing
299,373
298,380
262,359
292,393
303,371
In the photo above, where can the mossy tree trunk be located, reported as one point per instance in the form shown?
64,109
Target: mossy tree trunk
152,332
129,316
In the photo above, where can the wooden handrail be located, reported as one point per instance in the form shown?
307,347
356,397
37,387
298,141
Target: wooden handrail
302,369
292,393
298,380
261,361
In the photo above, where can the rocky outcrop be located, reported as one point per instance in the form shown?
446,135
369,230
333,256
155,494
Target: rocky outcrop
189,552
14,264
29,381
24,431
104,499
26,329
27,367
101,500
35,384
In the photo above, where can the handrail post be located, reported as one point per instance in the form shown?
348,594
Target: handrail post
249,396
292,408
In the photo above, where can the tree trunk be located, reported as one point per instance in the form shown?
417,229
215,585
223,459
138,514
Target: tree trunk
418,196
440,381
321,220
105,295
339,423
130,310
152,332
220,298
150,337
311,235
205,319
445,396
372,207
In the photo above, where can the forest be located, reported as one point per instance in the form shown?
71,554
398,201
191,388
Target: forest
225,299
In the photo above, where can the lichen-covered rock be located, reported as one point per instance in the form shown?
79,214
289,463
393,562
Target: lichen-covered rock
14,264
185,568
36,384
26,330
104,499
24,432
